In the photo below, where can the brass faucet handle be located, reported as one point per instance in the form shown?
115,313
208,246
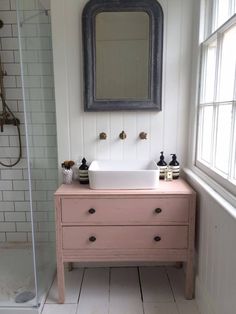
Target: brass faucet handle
122,135
143,136
103,136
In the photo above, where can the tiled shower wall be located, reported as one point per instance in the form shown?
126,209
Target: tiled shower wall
37,57
13,182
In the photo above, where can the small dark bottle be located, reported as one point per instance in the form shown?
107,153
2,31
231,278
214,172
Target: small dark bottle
163,166
83,172
174,165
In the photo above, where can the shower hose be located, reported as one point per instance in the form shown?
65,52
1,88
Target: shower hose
4,119
17,124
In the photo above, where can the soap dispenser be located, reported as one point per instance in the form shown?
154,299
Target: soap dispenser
174,165
83,172
162,166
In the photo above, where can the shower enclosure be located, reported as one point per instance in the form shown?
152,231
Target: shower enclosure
27,235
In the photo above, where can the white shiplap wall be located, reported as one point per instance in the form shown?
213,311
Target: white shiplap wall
14,208
78,131
216,227
216,254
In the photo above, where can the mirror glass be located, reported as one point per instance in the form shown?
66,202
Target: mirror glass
122,50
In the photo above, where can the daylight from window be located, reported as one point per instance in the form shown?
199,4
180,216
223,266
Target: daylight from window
216,145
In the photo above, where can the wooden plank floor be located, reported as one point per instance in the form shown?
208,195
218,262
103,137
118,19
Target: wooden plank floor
122,290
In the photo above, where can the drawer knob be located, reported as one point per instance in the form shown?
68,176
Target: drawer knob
92,239
92,211
158,210
157,238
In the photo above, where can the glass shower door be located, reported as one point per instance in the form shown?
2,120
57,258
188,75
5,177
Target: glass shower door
37,76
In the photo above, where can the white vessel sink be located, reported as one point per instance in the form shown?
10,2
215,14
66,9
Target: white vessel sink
123,175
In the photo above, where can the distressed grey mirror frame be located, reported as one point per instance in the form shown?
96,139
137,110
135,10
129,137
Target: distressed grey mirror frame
154,10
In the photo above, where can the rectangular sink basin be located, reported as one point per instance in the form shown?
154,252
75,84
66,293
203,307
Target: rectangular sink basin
123,175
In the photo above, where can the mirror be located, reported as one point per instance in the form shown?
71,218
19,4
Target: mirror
122,43
122,47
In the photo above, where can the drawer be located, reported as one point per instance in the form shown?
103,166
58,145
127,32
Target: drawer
125,237
125,211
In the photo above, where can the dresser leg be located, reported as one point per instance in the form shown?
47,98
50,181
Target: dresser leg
189,282
61,281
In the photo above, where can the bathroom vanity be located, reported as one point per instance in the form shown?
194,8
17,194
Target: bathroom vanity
126,226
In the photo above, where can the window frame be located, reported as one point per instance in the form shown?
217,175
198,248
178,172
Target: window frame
206,168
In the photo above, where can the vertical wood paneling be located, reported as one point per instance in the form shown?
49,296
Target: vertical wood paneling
216,257
202,242
156,135
143,146
173,38
208,255
208,252
130,144
116,127
231,266
225,284
77,124
219,258
184,78
103,146
89,136
60,78
165,129
215,231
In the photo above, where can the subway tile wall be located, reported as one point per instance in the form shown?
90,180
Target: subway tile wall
15,217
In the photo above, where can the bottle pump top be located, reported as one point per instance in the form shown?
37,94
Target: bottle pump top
174,161
162,162
83,172
84,166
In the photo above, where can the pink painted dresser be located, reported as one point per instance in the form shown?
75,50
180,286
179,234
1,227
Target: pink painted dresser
126,225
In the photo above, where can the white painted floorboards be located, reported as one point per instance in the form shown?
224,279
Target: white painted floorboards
124,290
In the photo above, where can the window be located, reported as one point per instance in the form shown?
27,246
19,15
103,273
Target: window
216,142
